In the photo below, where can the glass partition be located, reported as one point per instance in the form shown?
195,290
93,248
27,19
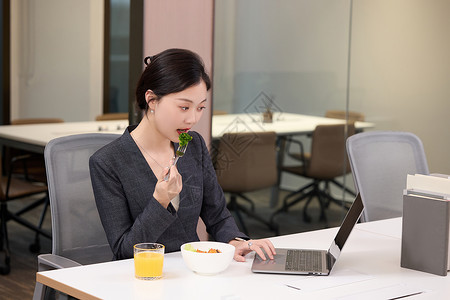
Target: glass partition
289,57
296,56
119,56
294,52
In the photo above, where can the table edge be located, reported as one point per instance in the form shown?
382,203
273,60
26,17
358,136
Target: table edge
63,287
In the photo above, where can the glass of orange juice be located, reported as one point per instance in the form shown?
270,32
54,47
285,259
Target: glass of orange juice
148,261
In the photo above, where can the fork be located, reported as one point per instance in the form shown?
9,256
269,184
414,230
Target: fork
179,153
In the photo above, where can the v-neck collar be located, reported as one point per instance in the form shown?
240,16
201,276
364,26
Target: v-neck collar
137,152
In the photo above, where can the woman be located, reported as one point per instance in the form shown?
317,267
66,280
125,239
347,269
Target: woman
135,201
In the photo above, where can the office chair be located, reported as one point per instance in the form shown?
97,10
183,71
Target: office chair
246,162
219,112
78,235
326,161
25,121
353,116
11,189
112,116
25,177
380,161
30,168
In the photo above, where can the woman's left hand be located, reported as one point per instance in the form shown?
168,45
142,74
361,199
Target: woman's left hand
245,247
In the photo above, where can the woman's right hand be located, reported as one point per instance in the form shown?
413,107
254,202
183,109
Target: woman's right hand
165,191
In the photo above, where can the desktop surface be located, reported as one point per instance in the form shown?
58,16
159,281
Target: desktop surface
371,260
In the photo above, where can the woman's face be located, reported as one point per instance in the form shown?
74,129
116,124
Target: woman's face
179,112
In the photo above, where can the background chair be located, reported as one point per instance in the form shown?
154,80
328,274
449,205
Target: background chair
353,116
219,112
326,161
24,177
246,162
25,121
112,116
78,235
32,167
12,188
380,161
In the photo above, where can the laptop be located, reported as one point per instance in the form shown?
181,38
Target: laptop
311,261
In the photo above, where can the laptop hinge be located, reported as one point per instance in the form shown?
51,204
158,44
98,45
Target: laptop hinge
330,260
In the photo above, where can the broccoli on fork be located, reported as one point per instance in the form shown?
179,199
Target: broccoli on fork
184,140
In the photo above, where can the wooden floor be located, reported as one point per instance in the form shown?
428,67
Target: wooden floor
19,284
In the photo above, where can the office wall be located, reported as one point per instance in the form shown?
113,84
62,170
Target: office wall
56,59
182,24
401,69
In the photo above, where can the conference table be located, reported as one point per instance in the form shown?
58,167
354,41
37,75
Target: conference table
34,137
368,268
283,124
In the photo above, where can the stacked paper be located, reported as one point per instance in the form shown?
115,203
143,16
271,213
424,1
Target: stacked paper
434,185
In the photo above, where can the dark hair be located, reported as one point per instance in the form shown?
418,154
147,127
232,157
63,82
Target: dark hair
170,71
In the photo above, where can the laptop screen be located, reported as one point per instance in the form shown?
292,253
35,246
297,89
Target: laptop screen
349,222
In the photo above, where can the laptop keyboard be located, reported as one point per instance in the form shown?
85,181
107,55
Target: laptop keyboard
304,260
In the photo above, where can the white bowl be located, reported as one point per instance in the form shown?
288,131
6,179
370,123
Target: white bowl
208,263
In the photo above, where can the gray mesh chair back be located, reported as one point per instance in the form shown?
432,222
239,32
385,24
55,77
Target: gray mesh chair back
77,231
380,162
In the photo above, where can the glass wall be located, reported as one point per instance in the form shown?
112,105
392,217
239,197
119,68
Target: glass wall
2,55
119,55
388,60
290,54
293,51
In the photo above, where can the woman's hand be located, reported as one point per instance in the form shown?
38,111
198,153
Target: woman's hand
245,247
165,191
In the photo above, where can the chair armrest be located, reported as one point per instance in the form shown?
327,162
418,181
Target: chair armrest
20,157
14,161
289,142
48,262
17,159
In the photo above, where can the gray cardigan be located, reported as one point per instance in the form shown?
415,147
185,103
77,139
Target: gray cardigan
123,185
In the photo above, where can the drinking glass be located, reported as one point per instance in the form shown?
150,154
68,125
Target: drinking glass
148,260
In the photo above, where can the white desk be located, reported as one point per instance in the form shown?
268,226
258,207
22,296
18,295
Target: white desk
283,124
367,251
34,137
389,227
